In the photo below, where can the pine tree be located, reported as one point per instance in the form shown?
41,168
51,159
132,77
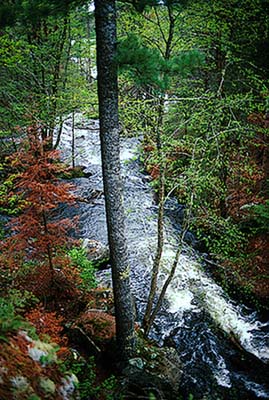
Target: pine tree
36,234
105,13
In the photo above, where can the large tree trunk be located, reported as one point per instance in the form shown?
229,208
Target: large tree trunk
105,16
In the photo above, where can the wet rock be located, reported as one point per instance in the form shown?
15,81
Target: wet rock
137,362
68,387
97,252
95,194
161,375
82,122
90,196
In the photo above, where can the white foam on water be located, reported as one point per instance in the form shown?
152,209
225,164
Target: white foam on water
222,375
191,289
259,389
181,300
192,285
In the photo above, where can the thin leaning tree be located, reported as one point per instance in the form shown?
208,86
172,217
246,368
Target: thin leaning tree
105,18
156,67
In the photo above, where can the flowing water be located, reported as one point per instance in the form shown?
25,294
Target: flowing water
223,345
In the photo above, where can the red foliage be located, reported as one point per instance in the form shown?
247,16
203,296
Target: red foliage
64,292
253,272
149,148
36,280
36,234
244,187
64,353
154,171
247,183
15,361
259,119
258,249
98,324
47,324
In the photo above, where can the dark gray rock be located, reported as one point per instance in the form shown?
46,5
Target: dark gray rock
159,375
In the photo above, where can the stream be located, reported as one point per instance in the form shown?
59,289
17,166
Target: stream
197,317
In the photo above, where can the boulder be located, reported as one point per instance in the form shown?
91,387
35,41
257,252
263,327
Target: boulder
79,171
94,329
159,374
97,252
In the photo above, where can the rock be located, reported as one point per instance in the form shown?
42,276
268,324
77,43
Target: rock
68,387
161,375
168,367
95,329
137,362
94,194
96,252
79,171
82,122
43,352
19,383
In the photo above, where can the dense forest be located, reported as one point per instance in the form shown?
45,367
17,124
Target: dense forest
134,207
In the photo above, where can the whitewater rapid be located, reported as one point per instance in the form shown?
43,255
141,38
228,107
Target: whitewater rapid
197,316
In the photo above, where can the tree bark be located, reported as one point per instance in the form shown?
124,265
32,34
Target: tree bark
105,18
160,230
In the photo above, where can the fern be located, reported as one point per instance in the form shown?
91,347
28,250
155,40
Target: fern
87,270
10,322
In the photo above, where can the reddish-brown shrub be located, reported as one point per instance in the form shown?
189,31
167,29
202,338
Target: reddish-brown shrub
47,324
99,325
37,235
